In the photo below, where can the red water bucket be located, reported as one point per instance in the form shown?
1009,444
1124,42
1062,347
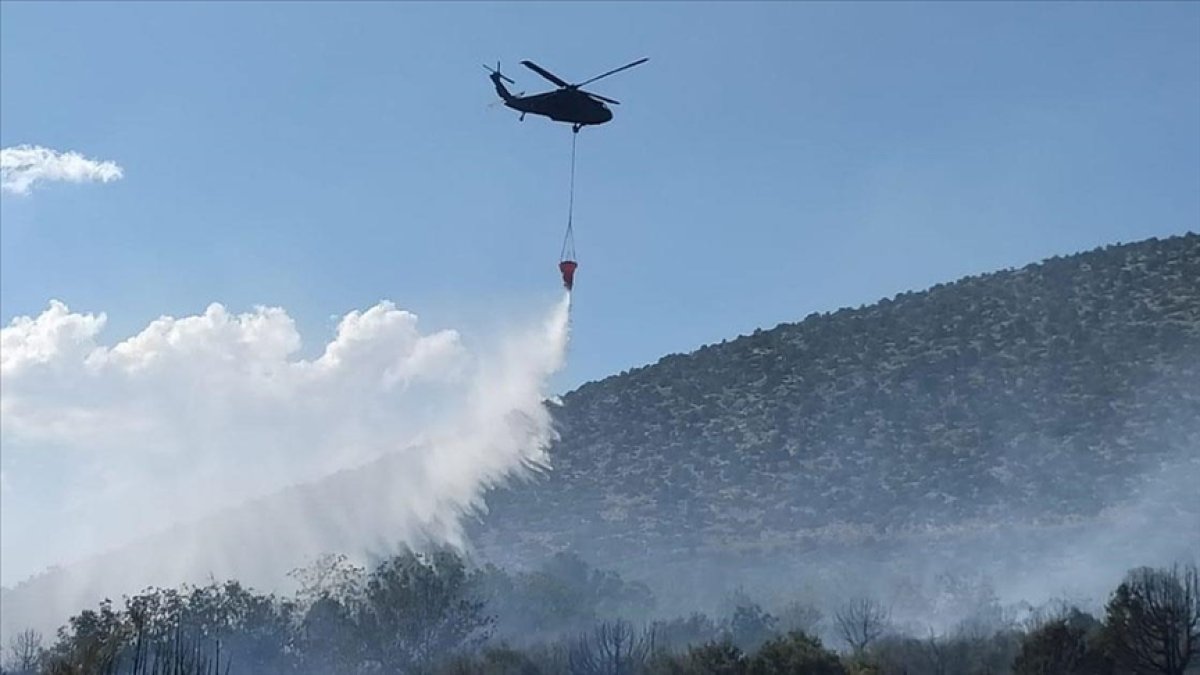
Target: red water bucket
567,267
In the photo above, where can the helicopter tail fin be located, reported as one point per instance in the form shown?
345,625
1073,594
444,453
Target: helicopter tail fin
500,88
497,76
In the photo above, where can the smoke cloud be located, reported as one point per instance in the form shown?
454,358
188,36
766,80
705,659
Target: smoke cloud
23,166
203,445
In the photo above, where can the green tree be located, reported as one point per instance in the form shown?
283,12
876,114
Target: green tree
799,616
1069,644
716,658
686,632
327,636
420,608
1056,648
493,661
795,654
712,658
91,642
751,626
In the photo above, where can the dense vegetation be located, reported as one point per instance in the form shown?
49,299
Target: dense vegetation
435,615
1031,397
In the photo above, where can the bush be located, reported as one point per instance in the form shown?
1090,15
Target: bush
795,653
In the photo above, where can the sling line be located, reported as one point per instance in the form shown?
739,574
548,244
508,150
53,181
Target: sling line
568,247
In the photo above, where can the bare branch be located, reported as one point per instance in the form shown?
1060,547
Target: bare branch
861,621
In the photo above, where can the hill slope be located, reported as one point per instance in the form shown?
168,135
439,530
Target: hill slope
1040,396
918,435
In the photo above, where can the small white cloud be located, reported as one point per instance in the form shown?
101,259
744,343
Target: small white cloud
23,166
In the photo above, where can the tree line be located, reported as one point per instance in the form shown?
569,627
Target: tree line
433,614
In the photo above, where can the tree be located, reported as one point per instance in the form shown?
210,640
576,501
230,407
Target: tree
26,649
750,626
795,653
91,642
1069,644
417,608
798,616
326,636
902,654
1056,648
538,606
493,661
1153,620
717,658
329,576
860,622
685,632
612,648
565,596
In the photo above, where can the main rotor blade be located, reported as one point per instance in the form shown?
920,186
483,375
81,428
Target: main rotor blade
545,73
617,70
602,98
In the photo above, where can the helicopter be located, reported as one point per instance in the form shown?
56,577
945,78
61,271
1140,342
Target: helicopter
568,103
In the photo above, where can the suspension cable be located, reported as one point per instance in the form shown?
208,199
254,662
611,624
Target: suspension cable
568,247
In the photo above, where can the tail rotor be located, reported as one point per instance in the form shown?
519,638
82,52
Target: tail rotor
496,73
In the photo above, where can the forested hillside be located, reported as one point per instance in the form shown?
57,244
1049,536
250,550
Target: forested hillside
1035,396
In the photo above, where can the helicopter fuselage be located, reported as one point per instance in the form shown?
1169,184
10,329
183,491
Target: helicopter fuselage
564,105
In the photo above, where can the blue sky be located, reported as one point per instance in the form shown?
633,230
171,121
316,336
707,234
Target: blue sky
770,160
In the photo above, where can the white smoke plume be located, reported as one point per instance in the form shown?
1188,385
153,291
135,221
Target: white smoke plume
23,166
203,446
